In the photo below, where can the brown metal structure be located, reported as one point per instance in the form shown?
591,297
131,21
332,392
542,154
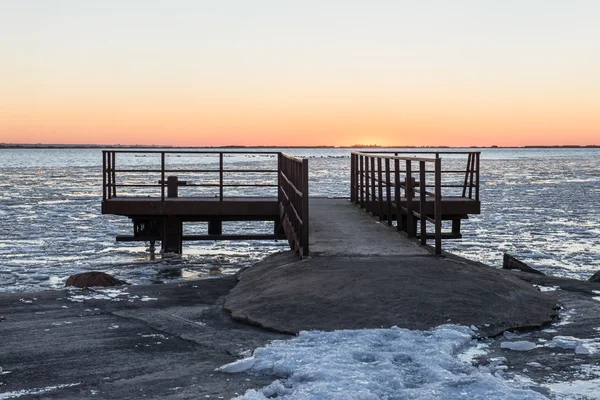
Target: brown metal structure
409,189
158,213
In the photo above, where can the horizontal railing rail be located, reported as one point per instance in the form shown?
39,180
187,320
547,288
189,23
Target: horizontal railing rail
293,200
202,177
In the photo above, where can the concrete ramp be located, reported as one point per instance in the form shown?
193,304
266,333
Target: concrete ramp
363,274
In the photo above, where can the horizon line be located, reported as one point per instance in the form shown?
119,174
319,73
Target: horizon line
92,145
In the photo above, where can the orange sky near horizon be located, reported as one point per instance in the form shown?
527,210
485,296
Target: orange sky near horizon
282,75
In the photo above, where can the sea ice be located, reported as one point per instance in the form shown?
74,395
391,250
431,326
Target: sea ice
376,364
520,345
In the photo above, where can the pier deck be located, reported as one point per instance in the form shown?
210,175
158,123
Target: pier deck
338,228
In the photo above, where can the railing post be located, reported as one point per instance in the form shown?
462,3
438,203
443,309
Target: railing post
305,199
103,175
352,178
471,176
221,176
408,193
438,206
362,180
114,174
388,195
423,202
162,176
478,155
464,192
279,196
109,175
367,186
380,188
399,220
372,185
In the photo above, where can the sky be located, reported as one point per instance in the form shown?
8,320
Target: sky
232,72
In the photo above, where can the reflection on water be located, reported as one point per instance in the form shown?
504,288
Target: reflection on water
541,205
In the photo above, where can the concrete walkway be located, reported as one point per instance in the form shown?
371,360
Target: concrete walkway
364,274
339,228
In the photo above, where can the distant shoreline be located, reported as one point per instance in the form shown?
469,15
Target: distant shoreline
117,146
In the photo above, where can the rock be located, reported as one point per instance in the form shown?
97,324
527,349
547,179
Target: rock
288,295
215,271
595,277
509,262
94,278
167,273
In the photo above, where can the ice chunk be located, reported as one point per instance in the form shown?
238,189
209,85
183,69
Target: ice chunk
582,349
238,366
564,342
520,345
534,364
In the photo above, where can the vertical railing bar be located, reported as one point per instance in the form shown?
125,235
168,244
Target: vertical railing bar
109,175
114,176
399,224
352,177
471,176
388,195
423,202
162,176
305,217
373,193
477,178
279,196
103,175
438,206
464,193
221,176
380,187
362,180
410,225
367,185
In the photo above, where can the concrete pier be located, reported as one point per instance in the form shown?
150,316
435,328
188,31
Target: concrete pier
364,274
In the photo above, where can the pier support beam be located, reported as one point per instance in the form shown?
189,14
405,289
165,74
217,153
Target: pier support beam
215,227
172,235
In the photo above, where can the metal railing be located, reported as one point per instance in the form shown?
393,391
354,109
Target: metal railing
207,177
384,184
466,180
293,200
288,174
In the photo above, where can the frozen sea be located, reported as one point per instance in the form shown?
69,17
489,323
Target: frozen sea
541,205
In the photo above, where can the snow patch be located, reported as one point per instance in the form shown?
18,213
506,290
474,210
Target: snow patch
376,364
32,392
543,288
576,389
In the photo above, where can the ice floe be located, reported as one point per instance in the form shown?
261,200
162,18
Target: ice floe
519,345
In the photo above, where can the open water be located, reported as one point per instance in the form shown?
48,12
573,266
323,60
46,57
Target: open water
541,205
